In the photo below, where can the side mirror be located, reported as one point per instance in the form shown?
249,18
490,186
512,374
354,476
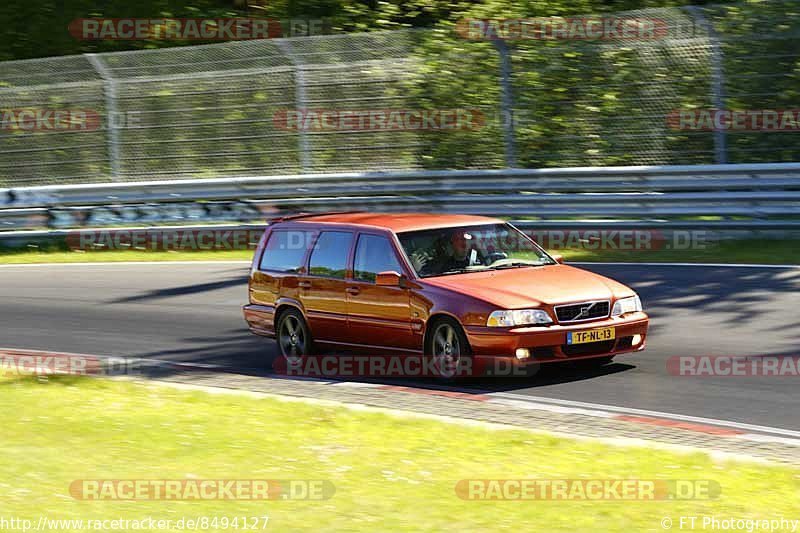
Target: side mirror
558,257
390,278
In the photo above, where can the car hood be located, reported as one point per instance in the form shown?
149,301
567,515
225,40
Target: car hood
518,288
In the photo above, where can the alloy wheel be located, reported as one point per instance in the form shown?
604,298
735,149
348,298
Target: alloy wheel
292,337
446,350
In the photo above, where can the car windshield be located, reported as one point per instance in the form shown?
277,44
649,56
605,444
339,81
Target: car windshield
443,251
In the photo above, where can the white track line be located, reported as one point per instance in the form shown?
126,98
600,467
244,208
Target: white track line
646,412
553,408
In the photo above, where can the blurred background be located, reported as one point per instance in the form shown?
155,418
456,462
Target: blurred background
172,111
168,113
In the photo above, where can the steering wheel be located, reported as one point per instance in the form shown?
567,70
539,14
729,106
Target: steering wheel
494,257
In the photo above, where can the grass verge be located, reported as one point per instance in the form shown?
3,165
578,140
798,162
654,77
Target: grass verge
754,251
390,473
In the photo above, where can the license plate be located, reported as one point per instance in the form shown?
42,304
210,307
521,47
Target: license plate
592,335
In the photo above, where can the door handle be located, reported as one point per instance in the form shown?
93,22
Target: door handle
353,291
304,284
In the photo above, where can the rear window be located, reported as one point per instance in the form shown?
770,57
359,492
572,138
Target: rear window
285,250
329,258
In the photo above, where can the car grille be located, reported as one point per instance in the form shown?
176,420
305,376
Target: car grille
590,348
572,312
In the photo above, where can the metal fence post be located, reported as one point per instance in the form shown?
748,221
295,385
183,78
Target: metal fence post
306,163
717,80
110,91
506,102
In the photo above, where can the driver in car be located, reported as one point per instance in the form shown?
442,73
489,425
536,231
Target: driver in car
459,255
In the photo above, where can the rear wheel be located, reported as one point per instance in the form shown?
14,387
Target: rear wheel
448,346
294,337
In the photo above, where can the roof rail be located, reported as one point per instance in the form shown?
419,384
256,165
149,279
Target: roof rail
302,214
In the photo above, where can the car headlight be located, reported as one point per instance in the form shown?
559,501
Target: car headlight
626,305
518,317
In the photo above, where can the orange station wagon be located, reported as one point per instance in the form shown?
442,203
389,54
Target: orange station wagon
452,287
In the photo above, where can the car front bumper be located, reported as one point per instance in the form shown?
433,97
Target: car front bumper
548,344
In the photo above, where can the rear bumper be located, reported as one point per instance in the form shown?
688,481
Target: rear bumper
549,344
260,319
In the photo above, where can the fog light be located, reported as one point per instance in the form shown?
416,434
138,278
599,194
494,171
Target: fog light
636,340
522,353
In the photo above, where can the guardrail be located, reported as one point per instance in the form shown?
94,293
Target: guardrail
763,196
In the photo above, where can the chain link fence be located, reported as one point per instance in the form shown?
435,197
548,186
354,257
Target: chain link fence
220,110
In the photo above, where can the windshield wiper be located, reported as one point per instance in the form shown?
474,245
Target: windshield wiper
516,264
454,271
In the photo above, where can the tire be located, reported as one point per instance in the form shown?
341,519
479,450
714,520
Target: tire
448,346
293,336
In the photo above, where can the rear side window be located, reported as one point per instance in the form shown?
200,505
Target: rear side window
285,250
329,257
374,254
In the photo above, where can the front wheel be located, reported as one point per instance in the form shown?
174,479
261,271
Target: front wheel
448,346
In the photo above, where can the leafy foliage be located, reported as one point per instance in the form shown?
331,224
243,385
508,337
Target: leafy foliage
39,29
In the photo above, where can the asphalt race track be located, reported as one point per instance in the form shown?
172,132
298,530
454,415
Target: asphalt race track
192,312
